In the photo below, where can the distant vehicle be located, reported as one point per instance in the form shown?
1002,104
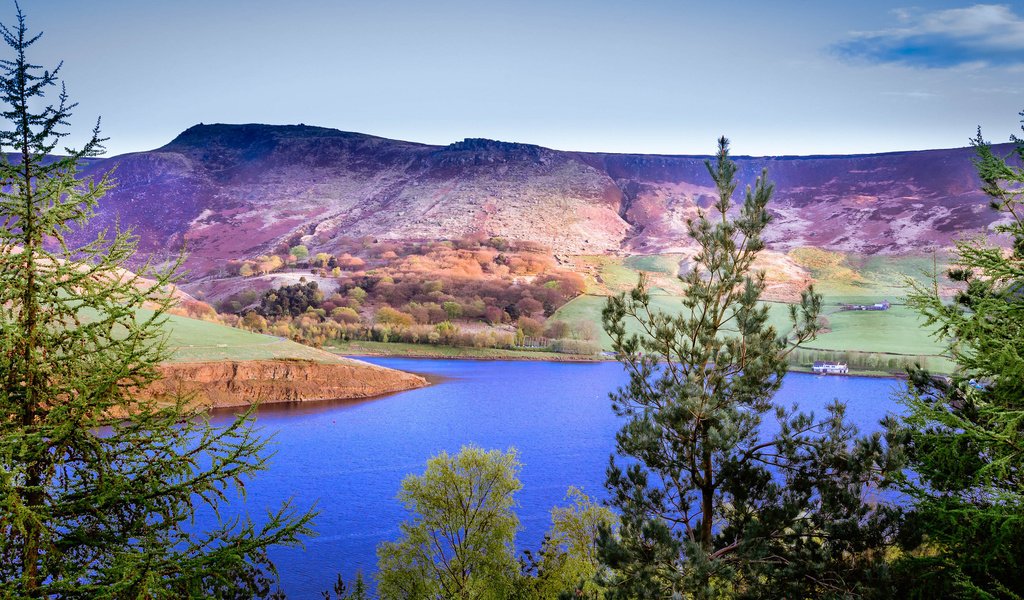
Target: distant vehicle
824,367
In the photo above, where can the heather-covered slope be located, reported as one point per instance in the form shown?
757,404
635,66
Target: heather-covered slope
236,191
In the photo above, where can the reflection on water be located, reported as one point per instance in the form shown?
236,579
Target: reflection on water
349,457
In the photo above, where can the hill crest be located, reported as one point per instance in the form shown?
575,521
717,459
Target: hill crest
237,191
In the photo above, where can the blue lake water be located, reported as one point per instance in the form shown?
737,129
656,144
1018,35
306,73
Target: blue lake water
349,458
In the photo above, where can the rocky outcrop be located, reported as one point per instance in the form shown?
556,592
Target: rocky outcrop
241,383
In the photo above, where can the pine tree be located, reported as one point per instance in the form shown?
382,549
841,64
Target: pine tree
712,504
98,487
965,434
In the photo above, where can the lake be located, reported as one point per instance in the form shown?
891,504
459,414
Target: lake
349,458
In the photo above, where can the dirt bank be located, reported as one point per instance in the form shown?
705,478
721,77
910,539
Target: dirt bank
239,383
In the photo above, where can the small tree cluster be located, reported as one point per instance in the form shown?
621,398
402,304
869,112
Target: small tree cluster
292,300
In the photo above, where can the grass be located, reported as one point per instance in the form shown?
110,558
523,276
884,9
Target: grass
838,277
362,348
192,340
589,307
898,330
858,280
654,263
611,275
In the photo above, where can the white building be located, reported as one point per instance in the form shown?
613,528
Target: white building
825,367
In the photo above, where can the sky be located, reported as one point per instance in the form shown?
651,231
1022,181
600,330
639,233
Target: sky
650,76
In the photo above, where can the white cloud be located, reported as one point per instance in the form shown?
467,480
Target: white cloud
983,34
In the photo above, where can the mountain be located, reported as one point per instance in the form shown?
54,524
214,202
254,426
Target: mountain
237,191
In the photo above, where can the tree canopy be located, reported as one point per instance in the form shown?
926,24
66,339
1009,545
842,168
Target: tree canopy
459,540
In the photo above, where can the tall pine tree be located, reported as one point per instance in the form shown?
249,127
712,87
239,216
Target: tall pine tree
97,488
965,434
714,501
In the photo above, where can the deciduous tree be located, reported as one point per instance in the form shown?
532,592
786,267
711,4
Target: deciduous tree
458,541
567,564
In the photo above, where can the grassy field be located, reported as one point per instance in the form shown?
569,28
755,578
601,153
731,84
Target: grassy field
897,332
653,263
361,348
192,340
589,307
859,280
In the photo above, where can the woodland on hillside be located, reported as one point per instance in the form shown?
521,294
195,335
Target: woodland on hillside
472,292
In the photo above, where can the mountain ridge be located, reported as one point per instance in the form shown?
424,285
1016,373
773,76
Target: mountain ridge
230,191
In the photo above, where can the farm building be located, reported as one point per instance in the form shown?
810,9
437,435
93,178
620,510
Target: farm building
883,305
825,367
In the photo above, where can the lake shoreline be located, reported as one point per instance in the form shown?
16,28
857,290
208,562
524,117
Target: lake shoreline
355,350
381,350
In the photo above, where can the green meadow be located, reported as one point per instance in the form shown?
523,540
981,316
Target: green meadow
883,338
193,340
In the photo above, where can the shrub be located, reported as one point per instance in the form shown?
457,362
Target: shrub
531,327
494,315
556,329
391,316
452,309
346,315
576,347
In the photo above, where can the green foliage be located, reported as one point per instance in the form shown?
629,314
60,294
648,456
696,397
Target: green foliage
452,309
300,252
98,488
712,505
568,559
292,300
446,332
459,540
394,317
322,259
359,591
963,434
344,314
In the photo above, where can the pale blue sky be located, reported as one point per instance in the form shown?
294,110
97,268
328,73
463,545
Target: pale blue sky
646,76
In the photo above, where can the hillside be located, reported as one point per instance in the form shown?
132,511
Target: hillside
224,367
237,191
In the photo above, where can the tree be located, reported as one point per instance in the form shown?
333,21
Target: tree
459,540
391,316
712,503
452,309
359,590
568,563
963,434
300,252
322,259
98,487
253,321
